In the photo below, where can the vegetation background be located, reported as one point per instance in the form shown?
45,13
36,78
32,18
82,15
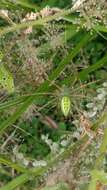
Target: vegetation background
50,50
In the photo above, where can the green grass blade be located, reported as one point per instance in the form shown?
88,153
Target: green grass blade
11,103
70,56
16,182
38,22
17,167
93,67
7,5
82,75
27,4
100,28
18,4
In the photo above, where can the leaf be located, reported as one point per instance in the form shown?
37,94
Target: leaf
6,79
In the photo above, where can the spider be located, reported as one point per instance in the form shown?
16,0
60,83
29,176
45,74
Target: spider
67,99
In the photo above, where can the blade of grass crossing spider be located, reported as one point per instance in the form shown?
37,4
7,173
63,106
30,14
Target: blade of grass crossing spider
19,100
45,86
36,94
11,103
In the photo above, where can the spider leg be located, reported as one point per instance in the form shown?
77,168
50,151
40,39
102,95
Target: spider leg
81,96
47,104
83,86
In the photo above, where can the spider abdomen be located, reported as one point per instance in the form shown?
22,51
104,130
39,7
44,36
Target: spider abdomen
65,105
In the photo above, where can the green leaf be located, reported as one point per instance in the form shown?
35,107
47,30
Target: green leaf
6,79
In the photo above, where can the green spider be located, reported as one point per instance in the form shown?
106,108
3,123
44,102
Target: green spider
69,99
65,101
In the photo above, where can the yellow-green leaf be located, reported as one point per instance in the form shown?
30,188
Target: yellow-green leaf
6,79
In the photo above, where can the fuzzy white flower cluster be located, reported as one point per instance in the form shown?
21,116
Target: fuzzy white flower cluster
20,157
64,142
98,102
4,12
93,109
39,163
57,147
77,4
53,145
